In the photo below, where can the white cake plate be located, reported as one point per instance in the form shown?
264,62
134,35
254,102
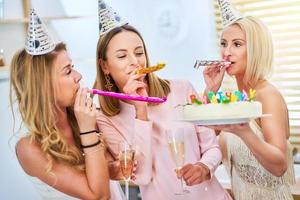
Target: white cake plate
236,120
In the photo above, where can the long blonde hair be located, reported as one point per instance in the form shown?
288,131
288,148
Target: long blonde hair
110,106
259,49
31,81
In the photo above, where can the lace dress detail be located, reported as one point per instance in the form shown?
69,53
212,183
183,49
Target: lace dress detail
258,177
249,180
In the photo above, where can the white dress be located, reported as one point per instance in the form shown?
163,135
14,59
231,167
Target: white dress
249,179
49,193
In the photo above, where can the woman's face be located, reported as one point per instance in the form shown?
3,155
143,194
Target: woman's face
234,49
124,54
66,80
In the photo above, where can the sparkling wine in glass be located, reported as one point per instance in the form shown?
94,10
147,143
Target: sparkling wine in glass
126,157
176,146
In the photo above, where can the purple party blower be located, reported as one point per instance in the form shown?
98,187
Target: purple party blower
128,97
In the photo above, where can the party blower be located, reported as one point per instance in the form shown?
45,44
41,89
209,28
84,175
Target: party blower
210,62
128,97
147,70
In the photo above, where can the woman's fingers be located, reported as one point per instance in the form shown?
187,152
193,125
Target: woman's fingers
223,69
188,174
132,88
134,166
212,67
134,76
216,127
139,84
83,101
133,177
212,71
77,98
94,109
83,97
89,103
194,180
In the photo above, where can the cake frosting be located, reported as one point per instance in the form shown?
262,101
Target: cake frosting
223,105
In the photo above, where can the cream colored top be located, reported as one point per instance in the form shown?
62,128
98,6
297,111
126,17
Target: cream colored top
249,179
47,192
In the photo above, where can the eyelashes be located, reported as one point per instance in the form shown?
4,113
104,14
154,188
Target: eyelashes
236,44
136,54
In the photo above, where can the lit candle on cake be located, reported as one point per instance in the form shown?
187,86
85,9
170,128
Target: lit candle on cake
220,94
233,98
214,99
238,95
252,94
203,99
210,95
245,96
228,94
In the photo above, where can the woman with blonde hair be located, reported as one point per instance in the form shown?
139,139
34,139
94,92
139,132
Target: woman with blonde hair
63,153
256,154
120,52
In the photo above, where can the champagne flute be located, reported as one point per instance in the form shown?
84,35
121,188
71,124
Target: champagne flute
176,146
126,157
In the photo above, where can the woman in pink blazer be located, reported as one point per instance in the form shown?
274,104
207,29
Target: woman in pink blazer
120,52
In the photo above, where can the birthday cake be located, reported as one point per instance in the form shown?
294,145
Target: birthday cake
222,106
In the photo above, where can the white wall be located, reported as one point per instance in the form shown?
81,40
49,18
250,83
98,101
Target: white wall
175,31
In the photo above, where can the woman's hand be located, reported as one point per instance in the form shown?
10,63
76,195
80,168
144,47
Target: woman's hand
136,86
193,174
115,172
85,111
213,77
237,129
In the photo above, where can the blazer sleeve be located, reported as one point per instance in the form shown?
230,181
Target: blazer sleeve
211,155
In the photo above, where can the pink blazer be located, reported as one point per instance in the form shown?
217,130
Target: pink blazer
155,170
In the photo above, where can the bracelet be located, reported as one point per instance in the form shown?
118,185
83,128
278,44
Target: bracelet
91,145
92,131
91,152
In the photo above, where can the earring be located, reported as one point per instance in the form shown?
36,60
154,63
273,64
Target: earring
108,84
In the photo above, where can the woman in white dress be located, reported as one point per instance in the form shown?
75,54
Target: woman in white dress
63,153
257,154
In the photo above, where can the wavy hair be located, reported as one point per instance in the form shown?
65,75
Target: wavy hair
31,85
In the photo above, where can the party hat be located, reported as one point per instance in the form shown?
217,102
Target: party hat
108,18
228,12
38,42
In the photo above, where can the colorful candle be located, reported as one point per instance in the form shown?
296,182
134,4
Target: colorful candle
195,100
214,99
245,96
228,94
221,96
226,100
233,98
252,94
203,99
192,98
210,95
238,95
